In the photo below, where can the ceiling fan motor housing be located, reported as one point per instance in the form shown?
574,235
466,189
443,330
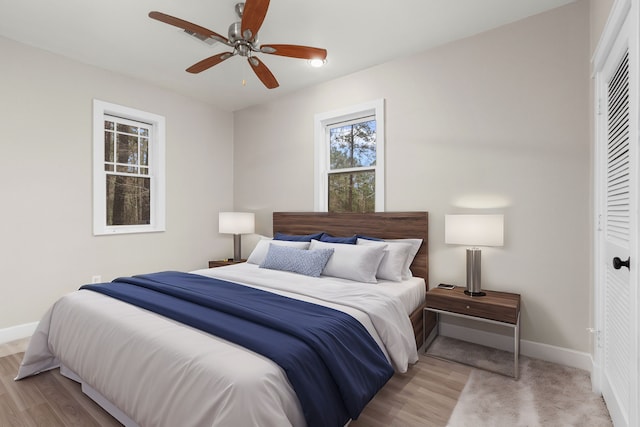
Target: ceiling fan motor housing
241,44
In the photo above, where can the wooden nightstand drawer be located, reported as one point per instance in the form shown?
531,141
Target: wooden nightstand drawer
499,306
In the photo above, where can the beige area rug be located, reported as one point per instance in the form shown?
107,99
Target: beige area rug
547,394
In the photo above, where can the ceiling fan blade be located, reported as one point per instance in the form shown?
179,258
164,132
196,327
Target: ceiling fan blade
186,25
263,73
252,17
209,62
294,51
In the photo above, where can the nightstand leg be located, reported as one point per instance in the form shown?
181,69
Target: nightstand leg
424,329
516,349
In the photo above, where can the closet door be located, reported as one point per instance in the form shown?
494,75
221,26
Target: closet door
617,145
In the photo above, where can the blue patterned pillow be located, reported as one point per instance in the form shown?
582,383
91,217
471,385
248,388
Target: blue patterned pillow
302,261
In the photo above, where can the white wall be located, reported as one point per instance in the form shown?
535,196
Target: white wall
47,248
499,120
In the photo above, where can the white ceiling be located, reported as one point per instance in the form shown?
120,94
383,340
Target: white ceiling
118,35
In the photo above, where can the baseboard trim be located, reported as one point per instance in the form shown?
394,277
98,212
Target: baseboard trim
550,353
17,332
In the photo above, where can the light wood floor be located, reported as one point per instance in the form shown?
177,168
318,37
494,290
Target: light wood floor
424,396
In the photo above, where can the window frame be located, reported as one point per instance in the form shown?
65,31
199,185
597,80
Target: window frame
156,169
322,123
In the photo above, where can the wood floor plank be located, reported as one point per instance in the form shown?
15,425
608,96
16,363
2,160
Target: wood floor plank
8,364
91,408
423,396
9,414
42,416
24,394
63,404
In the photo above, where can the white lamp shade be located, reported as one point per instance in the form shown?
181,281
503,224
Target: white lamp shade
474,230
236,222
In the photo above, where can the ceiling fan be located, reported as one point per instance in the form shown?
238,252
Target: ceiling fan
243,38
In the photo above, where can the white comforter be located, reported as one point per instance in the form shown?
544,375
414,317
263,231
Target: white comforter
162,373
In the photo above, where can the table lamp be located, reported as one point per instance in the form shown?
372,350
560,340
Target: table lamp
236,223
473,231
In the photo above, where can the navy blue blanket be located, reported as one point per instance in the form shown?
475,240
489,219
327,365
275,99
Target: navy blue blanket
333,364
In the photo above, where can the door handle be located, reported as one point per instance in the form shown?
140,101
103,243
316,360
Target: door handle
618,263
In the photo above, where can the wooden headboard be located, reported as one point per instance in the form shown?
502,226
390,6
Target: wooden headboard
385,225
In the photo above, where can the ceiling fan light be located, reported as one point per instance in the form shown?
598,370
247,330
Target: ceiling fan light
317,63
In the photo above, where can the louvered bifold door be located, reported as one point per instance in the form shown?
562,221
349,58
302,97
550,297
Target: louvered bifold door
617,294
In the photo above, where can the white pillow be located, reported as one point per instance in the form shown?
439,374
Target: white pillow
415,247
260,251
395,256
353,262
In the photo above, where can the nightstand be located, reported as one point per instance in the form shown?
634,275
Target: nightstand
223,262
499,308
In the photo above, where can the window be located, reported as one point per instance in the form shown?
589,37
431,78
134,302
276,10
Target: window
128,170
350,159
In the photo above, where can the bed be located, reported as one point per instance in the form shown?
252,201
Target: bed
147,369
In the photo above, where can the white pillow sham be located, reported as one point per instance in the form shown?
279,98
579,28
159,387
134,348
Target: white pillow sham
415,247
394,259
260,251
353,262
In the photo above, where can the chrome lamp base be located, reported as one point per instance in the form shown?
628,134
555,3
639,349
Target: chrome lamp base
237,248
474,273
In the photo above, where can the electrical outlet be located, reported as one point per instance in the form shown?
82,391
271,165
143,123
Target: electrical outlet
96,279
